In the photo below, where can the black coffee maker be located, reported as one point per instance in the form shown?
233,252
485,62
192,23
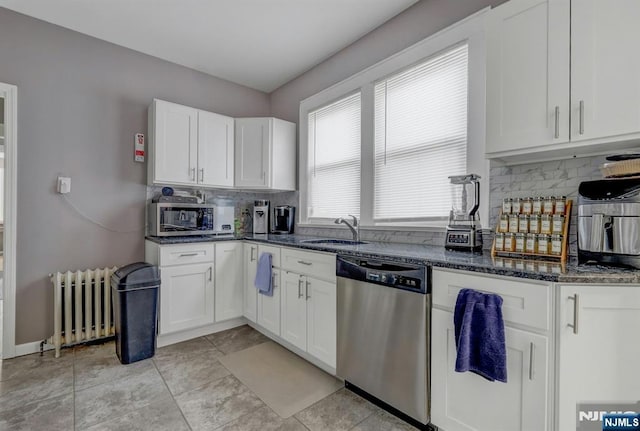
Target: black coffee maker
282,219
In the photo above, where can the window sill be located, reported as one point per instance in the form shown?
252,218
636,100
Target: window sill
386,227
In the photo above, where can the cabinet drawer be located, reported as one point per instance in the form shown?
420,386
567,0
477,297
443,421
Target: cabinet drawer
275,254
319,265
524,302
180,254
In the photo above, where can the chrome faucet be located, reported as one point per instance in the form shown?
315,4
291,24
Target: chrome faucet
354,226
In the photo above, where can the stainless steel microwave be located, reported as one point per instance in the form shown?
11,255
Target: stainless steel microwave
178,219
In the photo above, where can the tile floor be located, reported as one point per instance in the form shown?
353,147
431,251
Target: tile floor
184,387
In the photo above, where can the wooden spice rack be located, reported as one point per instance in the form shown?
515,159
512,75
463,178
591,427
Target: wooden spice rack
565,242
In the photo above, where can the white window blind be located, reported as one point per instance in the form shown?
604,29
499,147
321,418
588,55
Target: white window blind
333,170
420,138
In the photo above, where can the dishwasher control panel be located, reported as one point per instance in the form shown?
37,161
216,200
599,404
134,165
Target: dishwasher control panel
394,280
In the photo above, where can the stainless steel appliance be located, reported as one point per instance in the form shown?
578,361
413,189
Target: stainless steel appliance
177,219
384,327
223,217
464,229
282,219
261,216
609,221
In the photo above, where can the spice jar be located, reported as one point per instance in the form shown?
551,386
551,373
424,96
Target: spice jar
499,241
520,242
513,223
523,224
543,243
561,205
516,206
509,241
536,205
548,204
557,223
545,223
527,205
506,205
556,245
530,245
504,223
534,223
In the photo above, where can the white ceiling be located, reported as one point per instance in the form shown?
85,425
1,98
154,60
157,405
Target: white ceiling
258,43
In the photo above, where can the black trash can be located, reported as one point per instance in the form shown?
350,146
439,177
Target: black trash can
134,291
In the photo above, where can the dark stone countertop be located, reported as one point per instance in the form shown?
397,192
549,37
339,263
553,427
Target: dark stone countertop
437,256
163,240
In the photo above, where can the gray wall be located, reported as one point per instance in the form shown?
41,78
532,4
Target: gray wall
414,24
80,101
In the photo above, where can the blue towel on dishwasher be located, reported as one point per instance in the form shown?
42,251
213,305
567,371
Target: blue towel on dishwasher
263,275
479,332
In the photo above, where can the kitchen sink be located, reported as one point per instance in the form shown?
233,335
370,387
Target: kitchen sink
332,241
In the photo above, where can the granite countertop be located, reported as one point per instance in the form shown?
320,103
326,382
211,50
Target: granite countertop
437,256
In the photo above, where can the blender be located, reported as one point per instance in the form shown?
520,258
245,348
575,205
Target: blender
463,229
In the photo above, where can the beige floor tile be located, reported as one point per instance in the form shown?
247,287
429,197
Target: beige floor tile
33,386
103,402
186,348
217,403
35,365
186,372
236,339
50,414
339,411
263,419
383,421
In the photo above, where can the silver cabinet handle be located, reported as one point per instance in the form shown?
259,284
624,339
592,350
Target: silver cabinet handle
306,289
193,174
556,135
300,288
582,117
188,254
302,262
251,258
532,360
210,273
576,307
201,175
273,281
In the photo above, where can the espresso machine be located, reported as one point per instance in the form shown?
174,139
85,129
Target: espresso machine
260,216
464,230
609,221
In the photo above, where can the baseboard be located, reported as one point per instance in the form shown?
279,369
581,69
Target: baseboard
29,348
177,337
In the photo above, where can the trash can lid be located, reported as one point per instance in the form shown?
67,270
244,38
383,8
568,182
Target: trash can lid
139,274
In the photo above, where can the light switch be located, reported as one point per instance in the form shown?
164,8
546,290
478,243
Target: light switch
64,185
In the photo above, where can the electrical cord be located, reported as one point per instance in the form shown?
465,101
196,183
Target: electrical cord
97,223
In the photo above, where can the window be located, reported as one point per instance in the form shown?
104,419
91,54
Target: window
420,137
333,168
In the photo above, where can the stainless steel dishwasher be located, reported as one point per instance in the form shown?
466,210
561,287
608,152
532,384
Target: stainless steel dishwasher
384,327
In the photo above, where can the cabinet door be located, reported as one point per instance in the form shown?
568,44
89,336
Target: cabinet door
321,320
598,358
294,310
252,152
605,68
228,277
175,143
269,306
215,149
468,402
250,291
186,297
527,75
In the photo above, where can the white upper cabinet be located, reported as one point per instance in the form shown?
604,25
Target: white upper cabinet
527,75
188,146
605,69
215,149
562,78
265,154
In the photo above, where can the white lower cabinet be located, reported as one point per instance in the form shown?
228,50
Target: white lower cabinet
228,280
598,348
186,297
294,310
269,306
469,402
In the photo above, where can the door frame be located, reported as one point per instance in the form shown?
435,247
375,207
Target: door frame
10,95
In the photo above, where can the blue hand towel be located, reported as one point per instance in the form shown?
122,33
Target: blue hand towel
263,275
479,332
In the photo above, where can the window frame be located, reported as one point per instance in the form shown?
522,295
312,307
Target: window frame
471,31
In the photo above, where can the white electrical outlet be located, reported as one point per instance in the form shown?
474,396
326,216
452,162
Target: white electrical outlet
64,185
